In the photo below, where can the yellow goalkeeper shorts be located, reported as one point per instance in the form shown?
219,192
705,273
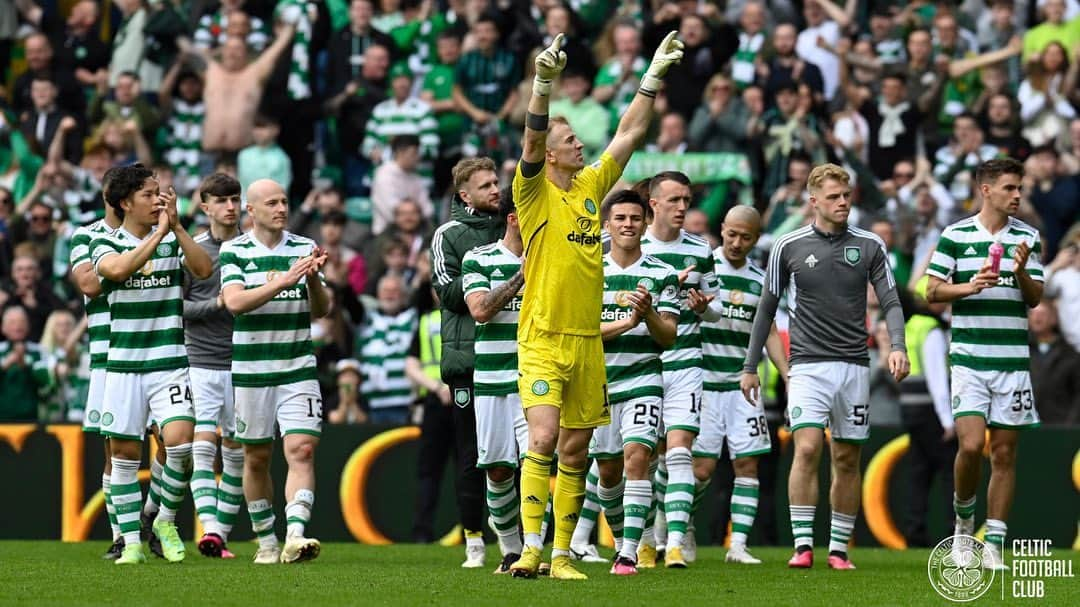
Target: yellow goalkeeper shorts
564,371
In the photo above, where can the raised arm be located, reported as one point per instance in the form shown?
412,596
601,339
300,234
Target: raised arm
842,16
549,64
635,122
264,65
196,258
960,67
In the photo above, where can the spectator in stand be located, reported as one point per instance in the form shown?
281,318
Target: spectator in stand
438,92
32,226
183,110
402,114
486,77
61,354
230,19
233,88
347,49
722,123
1055,197
7,211
579,58
78,44
410,229
397,180
899,258
893,121
787,128
1055,369
392,259
789,201
352,105
1069,145
126,103
671,137
1063,286
885,37
707,48
382,346
1044,108
344,265
617,80
955,164
320,203
752,41
24,368
264,159
1054,29
29,292
824,21
129,44
39,60
786,66
997,30
42,122
589,119
1002,128
927,228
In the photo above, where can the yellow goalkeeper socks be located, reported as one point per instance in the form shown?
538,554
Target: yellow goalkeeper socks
535,487
569,494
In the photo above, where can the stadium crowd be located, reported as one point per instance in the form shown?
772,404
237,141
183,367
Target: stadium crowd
361,108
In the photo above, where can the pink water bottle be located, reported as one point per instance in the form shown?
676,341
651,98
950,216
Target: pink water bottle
996,251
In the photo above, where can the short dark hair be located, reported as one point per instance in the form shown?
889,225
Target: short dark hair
220,185
449,34
506,202
488,17
1046,148
130,74
125,182
403,142
265,120
895,75
627,196
989,171
661,177
43,76
967,115
335,218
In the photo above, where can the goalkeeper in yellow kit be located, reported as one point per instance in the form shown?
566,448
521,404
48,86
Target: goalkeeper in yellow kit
561,375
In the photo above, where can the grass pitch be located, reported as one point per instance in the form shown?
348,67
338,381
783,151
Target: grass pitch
53,573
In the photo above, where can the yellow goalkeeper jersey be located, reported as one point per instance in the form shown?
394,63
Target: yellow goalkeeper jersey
564,272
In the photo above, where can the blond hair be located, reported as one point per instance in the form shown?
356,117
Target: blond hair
48,333
822,173
465,169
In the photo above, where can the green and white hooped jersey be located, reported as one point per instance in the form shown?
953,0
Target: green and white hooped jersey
632,359
146,329
383,345
685,251
724,342
990,328
272,343
485,269
97,308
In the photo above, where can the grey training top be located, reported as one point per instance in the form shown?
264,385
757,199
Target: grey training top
827,274
208,327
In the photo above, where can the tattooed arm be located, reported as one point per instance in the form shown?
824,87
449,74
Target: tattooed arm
484,305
